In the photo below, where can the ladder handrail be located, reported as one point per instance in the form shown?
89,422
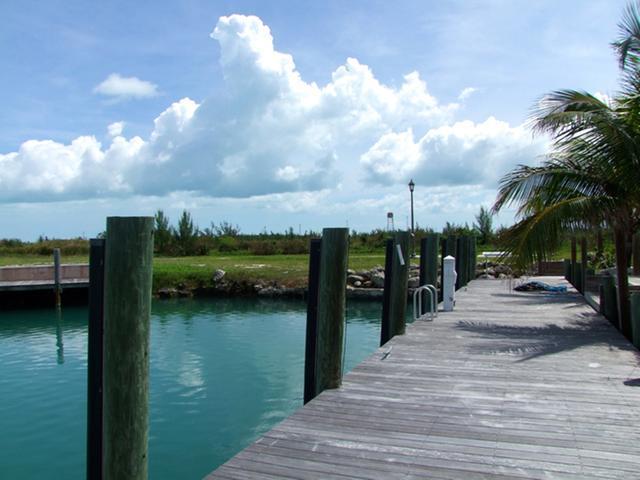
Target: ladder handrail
417,301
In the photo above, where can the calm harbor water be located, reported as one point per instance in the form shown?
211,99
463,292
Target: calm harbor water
223,371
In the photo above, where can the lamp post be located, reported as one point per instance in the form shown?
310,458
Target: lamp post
413,250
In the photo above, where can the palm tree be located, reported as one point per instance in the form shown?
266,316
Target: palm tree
591,178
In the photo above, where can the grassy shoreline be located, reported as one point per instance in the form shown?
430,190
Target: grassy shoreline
242,269
190,273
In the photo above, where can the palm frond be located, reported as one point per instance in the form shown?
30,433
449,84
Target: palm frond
538,235
557,179
563,109
628,44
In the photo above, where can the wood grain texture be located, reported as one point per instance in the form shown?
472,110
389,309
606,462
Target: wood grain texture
507,386
429,265
127,308
398,284
334,254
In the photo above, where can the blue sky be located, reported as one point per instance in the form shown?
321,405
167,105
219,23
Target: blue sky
278,114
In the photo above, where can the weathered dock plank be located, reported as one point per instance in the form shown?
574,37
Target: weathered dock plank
507,386
26,285
42,277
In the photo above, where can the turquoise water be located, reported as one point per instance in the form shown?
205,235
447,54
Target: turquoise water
223,371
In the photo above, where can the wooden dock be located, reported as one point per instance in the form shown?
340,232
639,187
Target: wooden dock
507,386
41,277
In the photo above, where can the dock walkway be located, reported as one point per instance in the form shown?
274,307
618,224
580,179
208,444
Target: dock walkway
41,277
508,386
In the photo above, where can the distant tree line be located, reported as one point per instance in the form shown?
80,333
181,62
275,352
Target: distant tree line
186,238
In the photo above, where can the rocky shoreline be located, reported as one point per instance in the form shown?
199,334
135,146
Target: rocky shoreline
365,284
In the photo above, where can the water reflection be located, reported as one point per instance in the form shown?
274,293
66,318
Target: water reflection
59,341
223,371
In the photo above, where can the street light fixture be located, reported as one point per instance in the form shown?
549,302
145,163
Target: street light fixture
413,250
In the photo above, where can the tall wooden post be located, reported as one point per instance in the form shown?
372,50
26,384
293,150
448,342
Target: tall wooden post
574,277
448,249
331,307
128,272
465,260
635,253
567,269
610,298
396,300
312,320
583,261
95,360
450,245
443,253
57,288
429,265
474,257
579,275
635,319
459,256
385,324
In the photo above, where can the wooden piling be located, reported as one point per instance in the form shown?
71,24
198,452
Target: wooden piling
471,273
312,320
465,260
450,245
448,248
584,261
574,278
429,265
635,318
635,253
396,308
610,297
385,325
471,268
474,260
95,360
128,275
331,308
567,269
458,257
443,250
578,273
57,288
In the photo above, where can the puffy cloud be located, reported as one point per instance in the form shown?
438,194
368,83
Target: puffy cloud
117,86
115,129
466,93
269,133
465,153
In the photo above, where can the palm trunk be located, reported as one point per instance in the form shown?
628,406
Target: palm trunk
622,262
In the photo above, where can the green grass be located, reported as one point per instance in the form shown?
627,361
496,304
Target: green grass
14,259
286,270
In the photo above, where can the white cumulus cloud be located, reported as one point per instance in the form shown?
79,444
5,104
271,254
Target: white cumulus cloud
270,133
117,86
464,153
115,129
466,93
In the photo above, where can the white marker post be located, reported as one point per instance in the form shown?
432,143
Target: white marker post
449,284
